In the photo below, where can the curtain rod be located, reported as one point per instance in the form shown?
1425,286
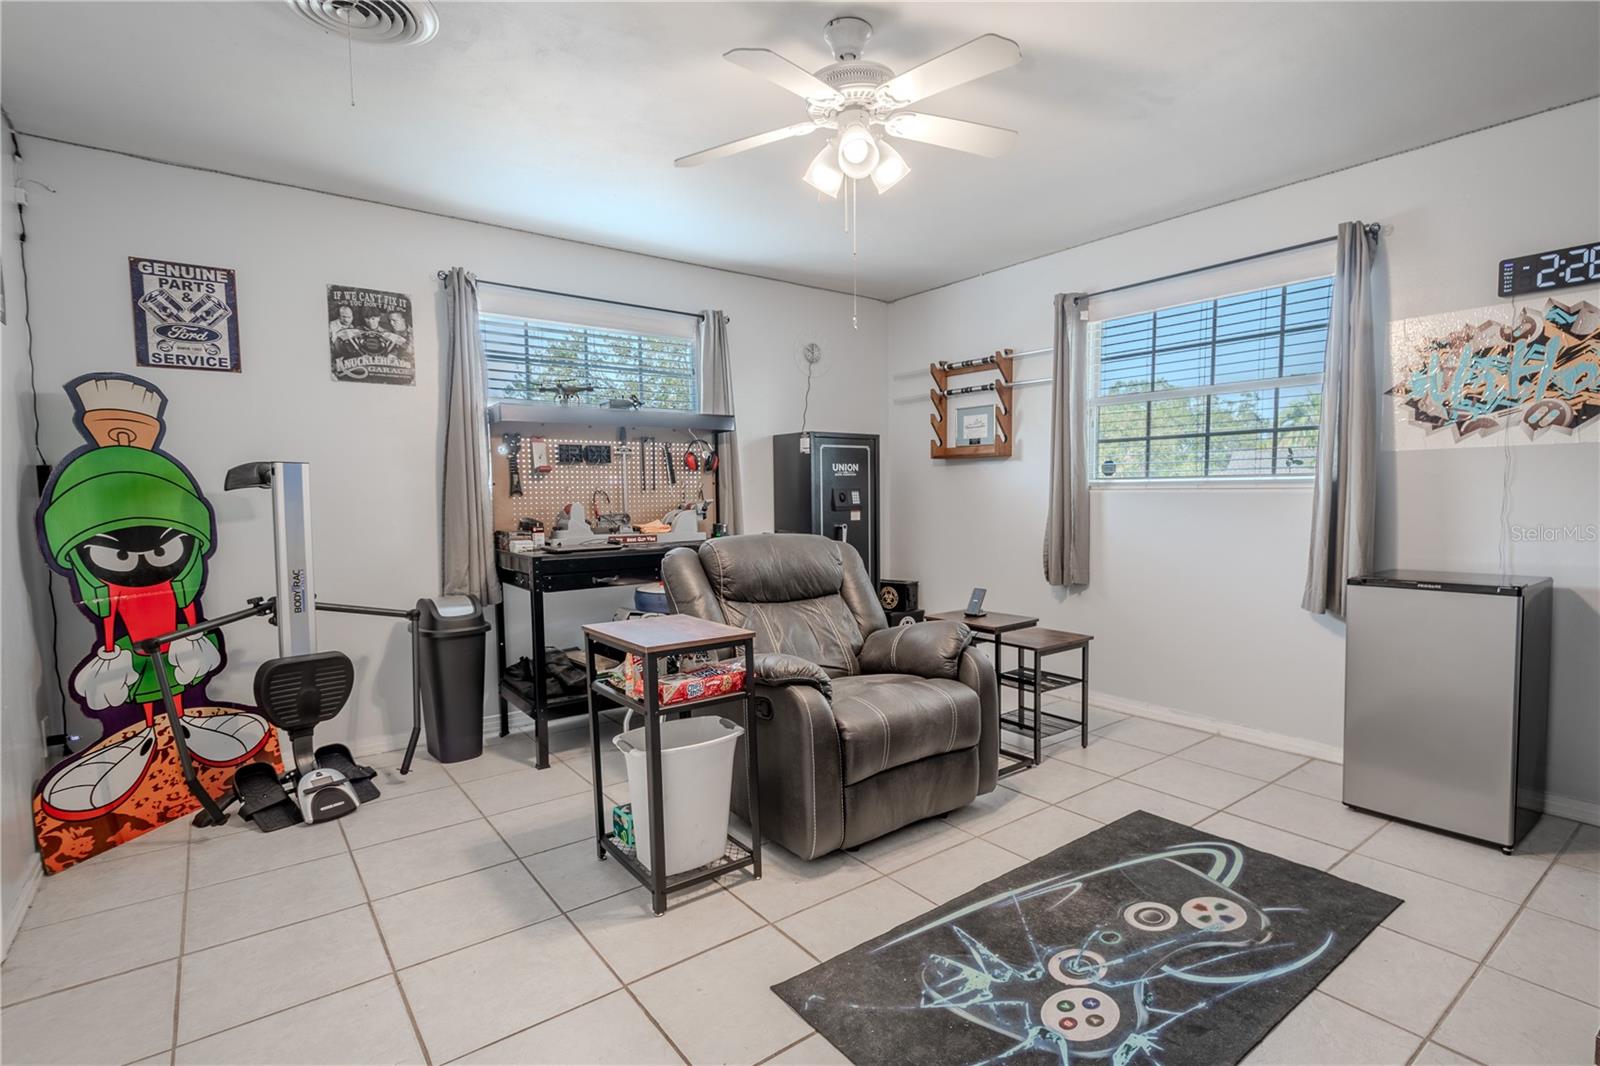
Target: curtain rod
1373,228
580,296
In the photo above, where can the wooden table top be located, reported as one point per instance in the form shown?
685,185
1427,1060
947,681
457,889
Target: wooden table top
665,633
989,622
1045,641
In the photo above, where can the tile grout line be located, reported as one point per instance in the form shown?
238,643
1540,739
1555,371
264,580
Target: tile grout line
108,910
91,980
377,927
790,1047
183,935
1498,940
278,928
281,1010
1523,906
624,985
1346,853
1519,904
560,1014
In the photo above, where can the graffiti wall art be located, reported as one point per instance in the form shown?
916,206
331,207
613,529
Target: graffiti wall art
1539,373
128,527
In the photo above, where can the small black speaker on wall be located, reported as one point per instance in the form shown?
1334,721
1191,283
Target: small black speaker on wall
897,595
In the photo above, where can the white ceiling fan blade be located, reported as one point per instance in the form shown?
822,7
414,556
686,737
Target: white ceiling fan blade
983,55
963,136
744,144
781,72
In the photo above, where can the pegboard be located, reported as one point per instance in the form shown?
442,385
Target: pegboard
647,499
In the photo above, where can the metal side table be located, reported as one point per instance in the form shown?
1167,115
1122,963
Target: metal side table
996,625
1035,679
651,638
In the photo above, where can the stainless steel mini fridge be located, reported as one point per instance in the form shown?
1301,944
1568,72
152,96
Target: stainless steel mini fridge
1447,692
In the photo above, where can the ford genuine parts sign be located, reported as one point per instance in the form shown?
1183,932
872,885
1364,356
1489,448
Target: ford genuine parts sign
185,317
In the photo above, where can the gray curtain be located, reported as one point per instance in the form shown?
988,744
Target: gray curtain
1066,530
467,511
716,398
1342,514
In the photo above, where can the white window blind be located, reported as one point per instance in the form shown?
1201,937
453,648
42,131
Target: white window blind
533,342
1219,388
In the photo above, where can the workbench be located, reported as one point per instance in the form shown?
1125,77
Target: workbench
539,573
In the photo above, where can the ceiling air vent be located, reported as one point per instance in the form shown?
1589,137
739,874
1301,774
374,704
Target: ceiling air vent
372,21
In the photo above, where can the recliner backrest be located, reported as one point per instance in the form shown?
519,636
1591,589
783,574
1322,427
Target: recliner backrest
802,594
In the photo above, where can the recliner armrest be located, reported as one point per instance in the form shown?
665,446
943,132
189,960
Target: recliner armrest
924,649
778,669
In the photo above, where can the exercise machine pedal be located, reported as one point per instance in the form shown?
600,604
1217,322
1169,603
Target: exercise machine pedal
337,757
262,799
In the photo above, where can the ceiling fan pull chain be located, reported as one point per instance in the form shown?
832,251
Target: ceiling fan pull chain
855,271
349,49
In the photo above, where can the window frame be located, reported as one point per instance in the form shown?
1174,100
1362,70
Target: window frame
1096,401
630,329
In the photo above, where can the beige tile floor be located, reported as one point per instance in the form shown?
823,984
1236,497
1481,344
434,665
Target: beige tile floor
463,917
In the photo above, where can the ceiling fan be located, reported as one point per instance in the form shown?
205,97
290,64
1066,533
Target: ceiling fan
864,103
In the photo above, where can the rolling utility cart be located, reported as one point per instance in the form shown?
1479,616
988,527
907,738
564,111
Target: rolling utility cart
650,639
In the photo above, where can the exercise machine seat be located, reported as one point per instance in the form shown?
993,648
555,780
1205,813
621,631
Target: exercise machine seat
298,692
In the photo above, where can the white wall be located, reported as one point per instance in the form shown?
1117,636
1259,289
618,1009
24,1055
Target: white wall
23,697
374,450
1195,592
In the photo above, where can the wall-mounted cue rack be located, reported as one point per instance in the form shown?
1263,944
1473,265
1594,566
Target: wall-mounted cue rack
972,421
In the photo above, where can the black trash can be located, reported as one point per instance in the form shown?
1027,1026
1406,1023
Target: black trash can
450,644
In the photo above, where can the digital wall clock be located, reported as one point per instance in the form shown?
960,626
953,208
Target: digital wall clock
1570,265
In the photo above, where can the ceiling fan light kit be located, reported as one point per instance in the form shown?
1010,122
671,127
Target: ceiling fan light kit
890,169
863,102
822,175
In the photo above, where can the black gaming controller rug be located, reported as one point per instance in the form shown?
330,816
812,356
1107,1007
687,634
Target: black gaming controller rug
1144,942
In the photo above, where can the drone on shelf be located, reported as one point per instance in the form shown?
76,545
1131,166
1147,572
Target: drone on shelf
565,391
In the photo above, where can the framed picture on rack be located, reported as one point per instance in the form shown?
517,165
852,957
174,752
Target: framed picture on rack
975,424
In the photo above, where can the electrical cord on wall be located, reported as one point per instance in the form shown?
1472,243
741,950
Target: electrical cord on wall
811,355
805,407
63,738
1506,477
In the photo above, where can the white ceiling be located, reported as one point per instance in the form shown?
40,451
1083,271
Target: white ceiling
565,118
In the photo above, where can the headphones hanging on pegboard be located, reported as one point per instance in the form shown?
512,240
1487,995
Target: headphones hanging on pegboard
701,456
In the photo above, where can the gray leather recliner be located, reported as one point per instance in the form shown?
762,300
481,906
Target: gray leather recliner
863,728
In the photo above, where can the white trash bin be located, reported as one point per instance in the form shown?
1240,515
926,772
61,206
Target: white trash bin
696,786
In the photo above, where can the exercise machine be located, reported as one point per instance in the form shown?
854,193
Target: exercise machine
299,689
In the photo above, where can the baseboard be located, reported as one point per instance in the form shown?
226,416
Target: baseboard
1266,738
19,909
1554,803
367,747
1576,809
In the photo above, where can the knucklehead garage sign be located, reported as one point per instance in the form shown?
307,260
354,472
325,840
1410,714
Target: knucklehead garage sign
185,317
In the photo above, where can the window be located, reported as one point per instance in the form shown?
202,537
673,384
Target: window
526,357
1224,388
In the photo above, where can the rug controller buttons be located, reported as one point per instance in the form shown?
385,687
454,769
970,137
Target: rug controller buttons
1212,912
1083,1013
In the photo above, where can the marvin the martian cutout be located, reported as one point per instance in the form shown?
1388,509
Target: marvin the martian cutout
129,528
